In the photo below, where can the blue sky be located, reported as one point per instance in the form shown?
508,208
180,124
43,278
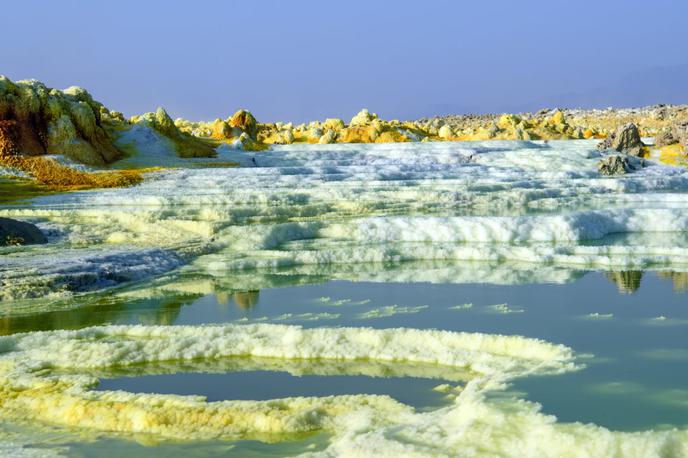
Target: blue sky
302,60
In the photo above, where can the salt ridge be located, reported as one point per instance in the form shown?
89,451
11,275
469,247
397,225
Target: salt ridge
329,204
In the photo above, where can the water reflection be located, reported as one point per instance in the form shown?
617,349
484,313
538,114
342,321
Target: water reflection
113,309
246,300
227,298
627,281
152,312
679,279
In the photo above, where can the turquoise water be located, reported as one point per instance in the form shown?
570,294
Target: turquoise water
263,385
635,364
633,379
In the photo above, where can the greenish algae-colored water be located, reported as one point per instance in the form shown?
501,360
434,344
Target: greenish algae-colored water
16,191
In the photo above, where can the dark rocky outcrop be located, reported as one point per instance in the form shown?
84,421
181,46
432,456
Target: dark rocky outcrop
626,139
13,232
676,133
619,164
665,137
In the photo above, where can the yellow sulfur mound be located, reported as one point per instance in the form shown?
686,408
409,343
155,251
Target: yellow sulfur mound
391,136
358,134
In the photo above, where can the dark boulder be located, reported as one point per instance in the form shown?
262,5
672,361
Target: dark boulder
13,232
676,133
681,132
665,137
626,139
619,164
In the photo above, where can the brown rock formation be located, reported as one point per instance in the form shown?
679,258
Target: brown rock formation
9,144
244,121
57,122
